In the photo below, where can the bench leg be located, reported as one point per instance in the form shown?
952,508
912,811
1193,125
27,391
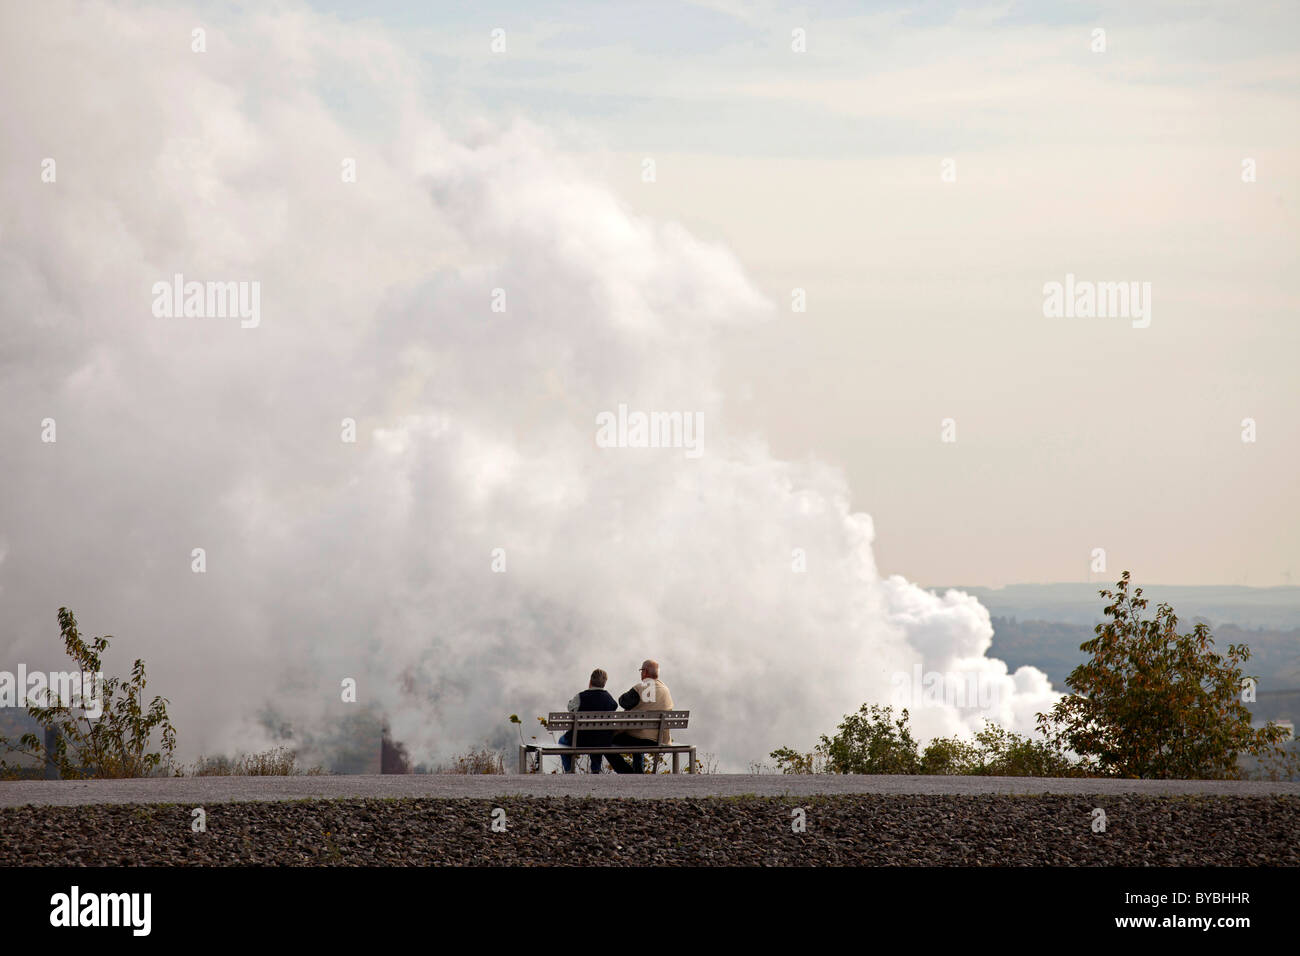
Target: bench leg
692,765
675,763
523,759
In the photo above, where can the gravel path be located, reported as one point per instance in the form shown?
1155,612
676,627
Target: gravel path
197,790
850,829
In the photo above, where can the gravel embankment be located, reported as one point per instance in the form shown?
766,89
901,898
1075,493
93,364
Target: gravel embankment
858,829
200,791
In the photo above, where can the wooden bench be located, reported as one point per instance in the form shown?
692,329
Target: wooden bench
659,721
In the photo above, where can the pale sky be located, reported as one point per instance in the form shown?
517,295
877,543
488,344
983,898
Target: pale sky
821,170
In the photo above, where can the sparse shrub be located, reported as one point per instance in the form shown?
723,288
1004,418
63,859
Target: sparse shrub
276,762
705,762
789,760
949,756
477,760
871,741
996,752
1284,765
1002,753
117,743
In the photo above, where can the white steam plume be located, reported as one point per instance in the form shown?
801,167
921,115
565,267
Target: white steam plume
475,429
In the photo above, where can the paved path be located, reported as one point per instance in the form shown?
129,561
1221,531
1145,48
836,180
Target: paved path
196,790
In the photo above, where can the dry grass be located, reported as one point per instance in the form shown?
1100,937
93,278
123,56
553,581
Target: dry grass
276,762
478,760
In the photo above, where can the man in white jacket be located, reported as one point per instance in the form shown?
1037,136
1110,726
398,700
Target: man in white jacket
650,694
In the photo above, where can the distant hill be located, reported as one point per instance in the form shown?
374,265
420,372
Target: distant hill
1043,625
1270,608
1053,647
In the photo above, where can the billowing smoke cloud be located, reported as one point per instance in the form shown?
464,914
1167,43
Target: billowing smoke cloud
475,428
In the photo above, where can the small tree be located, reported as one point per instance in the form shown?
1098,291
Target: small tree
871,741
116,743
1004,753
1153,703
789,760
949,756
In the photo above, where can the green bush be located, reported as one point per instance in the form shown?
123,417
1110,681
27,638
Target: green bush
873,741
1150,703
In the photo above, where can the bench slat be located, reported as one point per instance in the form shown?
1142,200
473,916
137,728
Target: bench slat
648,748
618,714
625,720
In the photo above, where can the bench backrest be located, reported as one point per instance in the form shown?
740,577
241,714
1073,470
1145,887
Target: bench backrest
563,720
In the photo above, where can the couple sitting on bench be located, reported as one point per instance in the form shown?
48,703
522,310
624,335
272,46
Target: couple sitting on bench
650,694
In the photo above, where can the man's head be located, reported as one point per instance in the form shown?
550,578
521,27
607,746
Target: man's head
649,670
598,678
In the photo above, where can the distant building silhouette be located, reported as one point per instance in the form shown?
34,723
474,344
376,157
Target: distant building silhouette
51,747
392,755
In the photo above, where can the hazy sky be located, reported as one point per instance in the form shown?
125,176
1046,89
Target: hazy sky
821,170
